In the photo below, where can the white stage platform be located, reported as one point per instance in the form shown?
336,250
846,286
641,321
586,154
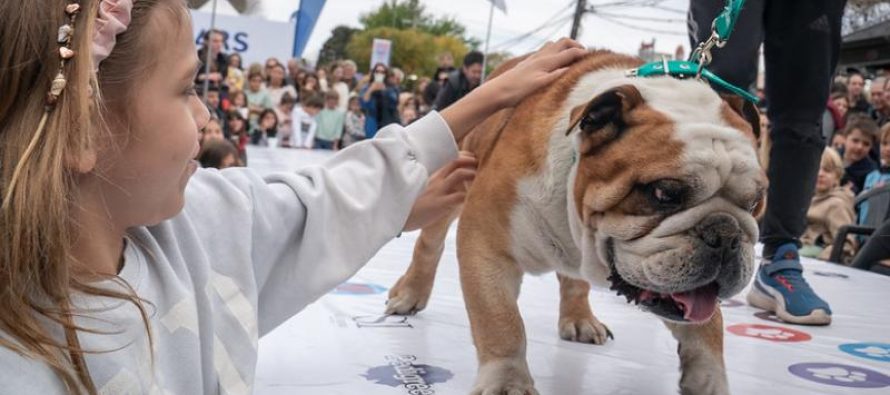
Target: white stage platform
342,344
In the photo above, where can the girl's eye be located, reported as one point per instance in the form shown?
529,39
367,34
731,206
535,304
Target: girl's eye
190,91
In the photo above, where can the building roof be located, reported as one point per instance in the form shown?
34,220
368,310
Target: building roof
878,30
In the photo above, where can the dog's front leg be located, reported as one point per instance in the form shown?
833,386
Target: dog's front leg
703,371
490,280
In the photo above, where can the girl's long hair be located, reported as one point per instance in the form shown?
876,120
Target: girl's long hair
37,279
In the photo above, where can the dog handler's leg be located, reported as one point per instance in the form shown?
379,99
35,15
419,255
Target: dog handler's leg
490,279
576,321
701,357
412,292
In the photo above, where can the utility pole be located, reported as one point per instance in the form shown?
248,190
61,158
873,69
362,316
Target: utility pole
580,9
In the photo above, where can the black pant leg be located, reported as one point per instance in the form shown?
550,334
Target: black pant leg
801,44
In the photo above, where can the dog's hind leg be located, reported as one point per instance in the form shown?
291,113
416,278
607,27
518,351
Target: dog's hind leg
576,320
412,292
703,371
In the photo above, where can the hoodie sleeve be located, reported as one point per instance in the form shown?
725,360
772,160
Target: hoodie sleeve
840,214
312,229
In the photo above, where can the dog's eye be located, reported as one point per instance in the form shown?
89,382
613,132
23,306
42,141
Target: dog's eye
667,194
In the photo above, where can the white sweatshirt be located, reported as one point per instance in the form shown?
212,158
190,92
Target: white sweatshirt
244,255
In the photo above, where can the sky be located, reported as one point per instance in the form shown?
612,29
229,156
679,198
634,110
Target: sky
605,28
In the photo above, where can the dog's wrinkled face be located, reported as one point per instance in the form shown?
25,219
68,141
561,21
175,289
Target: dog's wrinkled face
666,189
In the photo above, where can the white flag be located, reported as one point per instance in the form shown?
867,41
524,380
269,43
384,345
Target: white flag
499,4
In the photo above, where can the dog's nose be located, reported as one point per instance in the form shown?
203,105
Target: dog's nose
720,232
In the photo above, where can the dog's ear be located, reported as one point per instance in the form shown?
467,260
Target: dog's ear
603,118
747,110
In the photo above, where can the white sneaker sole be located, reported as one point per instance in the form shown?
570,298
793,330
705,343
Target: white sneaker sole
775,302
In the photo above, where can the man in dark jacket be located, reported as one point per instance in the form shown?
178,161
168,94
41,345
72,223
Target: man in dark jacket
461,81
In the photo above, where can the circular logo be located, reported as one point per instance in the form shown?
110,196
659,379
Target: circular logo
768,316
876,351
840,375
768,332
730,303
830,274
358,289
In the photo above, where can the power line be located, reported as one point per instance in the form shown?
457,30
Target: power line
640,28
513,41
640,18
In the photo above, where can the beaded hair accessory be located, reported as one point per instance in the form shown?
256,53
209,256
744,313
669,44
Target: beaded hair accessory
112,19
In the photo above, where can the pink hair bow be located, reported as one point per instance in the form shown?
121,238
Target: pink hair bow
113,19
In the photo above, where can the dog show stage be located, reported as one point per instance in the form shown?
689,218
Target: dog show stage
344,345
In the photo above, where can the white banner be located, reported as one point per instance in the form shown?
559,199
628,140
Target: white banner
380,52
255,39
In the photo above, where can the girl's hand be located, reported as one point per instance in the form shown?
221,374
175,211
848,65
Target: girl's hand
445,191
538,70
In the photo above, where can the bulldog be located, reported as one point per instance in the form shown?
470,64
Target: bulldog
647,186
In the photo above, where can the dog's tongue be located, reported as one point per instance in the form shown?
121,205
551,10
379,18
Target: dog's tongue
698,304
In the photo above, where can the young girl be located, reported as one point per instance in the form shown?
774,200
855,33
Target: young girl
238,134
354,126
266,131
831,208
111,282
276,87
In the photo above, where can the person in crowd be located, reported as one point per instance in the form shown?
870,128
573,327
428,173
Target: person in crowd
111,234
461,82
837,140
239,104
218,154
423,106
439,78
339,86
861,135
310,85
214,103
258,98
276,86
880,176
323,81
213,130
380,100
284,112
266,130
856,94
213,42
329,129
304,121
270,64
293,68
879,105
354,124
235,73
408,110
784,31
239,134
831,208
834,117
350,74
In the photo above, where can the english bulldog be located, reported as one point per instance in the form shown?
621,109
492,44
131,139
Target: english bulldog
647,186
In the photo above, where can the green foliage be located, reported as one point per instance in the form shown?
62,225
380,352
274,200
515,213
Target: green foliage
414,51
335,47
411,14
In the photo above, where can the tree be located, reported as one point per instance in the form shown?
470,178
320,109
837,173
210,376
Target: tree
864,13
335,47
410,14
413,50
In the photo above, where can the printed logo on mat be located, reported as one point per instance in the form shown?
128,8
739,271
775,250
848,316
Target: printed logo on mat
768,332
875,351
730,303
404,371
350,288
840,375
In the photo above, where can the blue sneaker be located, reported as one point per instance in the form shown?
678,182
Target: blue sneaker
780,287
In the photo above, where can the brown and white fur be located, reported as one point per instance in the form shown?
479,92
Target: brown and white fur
565,182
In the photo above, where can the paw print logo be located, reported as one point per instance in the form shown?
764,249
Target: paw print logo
875,351
768,332
840,375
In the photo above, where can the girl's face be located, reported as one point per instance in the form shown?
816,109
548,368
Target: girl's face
240,100
236,125
841,105
838,141
143,181
856,147
354,106
827,180
276,77
337,72
311,82
268,121
256,83
321,74
229,161
885,151
213,131
235,61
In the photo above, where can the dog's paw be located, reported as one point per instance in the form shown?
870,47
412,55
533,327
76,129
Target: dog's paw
584,330
703,379
504,377
408,296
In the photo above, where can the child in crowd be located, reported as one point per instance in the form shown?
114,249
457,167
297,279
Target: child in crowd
354,124
861,135
276,86
879,177
213,131
329,129
284,112
258,98
239,103
218,154
304,122
214,103
127,270
239,134
831,208
266,131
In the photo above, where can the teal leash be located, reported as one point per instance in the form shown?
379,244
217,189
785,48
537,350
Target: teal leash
695,67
